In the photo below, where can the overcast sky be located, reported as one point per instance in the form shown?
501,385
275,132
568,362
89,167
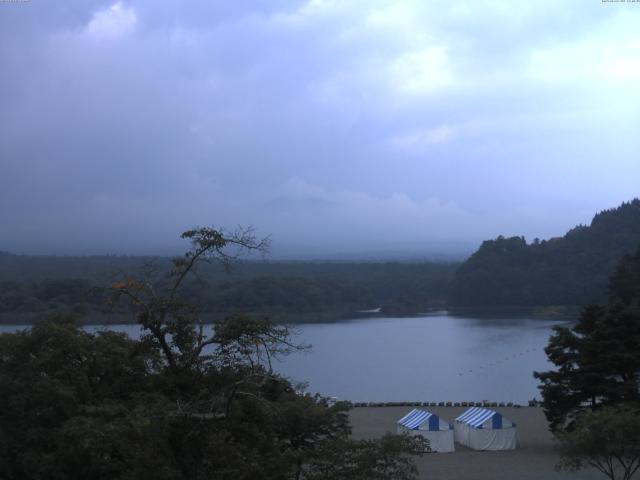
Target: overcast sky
334,126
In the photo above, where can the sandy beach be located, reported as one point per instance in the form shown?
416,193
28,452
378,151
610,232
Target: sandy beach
534,459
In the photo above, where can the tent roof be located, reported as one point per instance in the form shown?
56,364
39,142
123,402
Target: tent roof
476,416
415,418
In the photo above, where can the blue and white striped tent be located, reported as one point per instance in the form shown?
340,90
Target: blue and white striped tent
429,425
484,429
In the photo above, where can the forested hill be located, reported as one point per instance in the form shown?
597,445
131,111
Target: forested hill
33,287
571,270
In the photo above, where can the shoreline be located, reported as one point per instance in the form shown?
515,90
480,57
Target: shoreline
535,458
561,313
484,403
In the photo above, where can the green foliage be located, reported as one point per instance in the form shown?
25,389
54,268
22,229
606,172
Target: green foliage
624,285
76,405
607,439
293,291
56,380
177,404
597,360
571,270
387,458
597,363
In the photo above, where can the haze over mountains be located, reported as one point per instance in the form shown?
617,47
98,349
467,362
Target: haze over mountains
343,127
411,170
506,272
408,251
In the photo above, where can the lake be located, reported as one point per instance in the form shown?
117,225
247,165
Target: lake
434,357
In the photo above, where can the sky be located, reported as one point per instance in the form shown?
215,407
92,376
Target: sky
337,127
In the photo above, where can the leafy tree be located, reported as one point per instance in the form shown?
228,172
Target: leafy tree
57,381
181,403
384,459
592,400
607,439
597,360
169,321
598,363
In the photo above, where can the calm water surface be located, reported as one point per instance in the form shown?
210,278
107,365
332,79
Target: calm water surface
428,358
431,358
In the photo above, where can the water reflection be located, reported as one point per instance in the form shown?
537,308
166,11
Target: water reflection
430,358
433,357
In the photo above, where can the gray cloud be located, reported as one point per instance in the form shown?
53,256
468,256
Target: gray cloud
339,125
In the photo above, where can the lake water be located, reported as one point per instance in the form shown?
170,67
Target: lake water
427,358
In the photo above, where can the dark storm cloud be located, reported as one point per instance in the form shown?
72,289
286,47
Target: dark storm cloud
328,124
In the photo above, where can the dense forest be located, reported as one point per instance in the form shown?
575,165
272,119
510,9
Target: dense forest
591,397
32,287
175,404
571,270
596,359
505,272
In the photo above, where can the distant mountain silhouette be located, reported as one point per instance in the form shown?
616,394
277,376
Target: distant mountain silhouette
569,270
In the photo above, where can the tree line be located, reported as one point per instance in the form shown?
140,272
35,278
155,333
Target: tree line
592,398
178,403
291,291
569,270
